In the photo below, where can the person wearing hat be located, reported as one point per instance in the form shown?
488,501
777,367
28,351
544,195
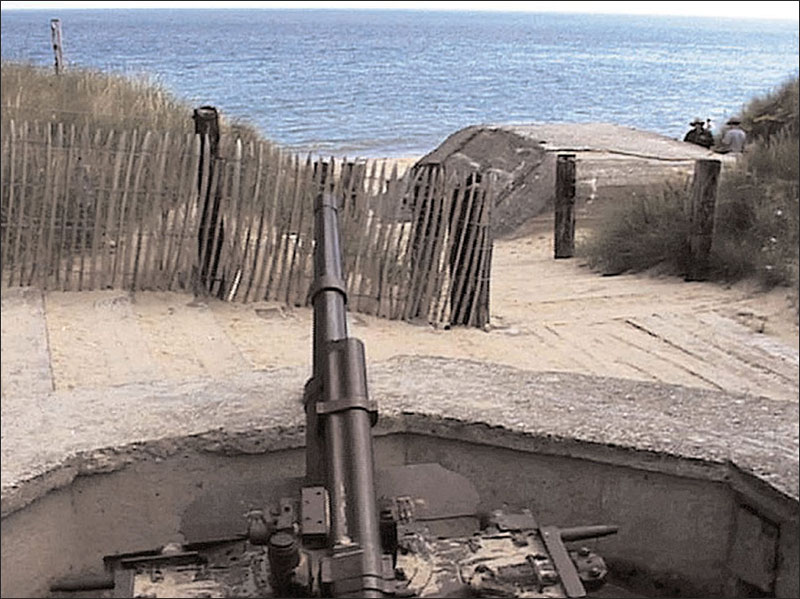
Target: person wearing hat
733,139
699,134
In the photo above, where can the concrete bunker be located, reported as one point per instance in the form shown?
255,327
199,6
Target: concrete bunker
616,161
694,520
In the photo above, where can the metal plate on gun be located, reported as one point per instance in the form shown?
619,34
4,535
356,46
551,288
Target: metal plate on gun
487,566
229,570
442,499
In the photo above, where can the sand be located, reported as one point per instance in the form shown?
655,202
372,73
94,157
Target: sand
546,315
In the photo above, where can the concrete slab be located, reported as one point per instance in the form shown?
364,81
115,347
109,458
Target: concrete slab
611,139
101,341
22,318
51,439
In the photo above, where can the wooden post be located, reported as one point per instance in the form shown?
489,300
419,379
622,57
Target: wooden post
565,206
701,225
55,37
206,124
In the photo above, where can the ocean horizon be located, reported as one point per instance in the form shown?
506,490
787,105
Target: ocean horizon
398,82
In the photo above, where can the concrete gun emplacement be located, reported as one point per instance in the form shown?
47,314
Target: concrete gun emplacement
349,529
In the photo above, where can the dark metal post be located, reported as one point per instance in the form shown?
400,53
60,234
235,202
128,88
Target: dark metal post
55,38
701,227
565,206
337,405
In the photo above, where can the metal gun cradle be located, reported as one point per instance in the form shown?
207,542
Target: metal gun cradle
350,530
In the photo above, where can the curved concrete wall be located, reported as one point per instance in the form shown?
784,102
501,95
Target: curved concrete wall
706,505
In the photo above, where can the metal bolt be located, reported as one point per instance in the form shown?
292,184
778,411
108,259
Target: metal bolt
584,551
595,571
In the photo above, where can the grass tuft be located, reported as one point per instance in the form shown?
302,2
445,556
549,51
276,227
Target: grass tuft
640,233
757,213
98,99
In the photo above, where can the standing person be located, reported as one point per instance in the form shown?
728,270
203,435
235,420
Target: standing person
699,134
734,138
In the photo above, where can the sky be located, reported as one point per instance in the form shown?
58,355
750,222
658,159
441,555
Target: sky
763,10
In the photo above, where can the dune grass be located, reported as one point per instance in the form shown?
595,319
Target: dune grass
98,99
86,99
639,233
756,224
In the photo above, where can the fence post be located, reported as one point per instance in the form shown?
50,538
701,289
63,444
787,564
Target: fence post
565,206
206,124
55,37
701,223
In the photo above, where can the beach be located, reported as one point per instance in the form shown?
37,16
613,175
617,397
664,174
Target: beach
634,371
546,315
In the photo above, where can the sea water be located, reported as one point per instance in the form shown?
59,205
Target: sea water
390,83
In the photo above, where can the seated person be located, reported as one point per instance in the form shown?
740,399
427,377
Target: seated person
699,134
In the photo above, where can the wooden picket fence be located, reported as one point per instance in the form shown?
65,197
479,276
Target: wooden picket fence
133,210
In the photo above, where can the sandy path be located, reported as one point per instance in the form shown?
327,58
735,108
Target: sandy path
546,315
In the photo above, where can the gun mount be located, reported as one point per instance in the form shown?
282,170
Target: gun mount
349,530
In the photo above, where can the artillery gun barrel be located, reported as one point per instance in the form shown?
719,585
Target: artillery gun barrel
339,438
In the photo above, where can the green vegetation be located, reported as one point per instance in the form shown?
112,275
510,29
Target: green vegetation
639,233
756,225
100,100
